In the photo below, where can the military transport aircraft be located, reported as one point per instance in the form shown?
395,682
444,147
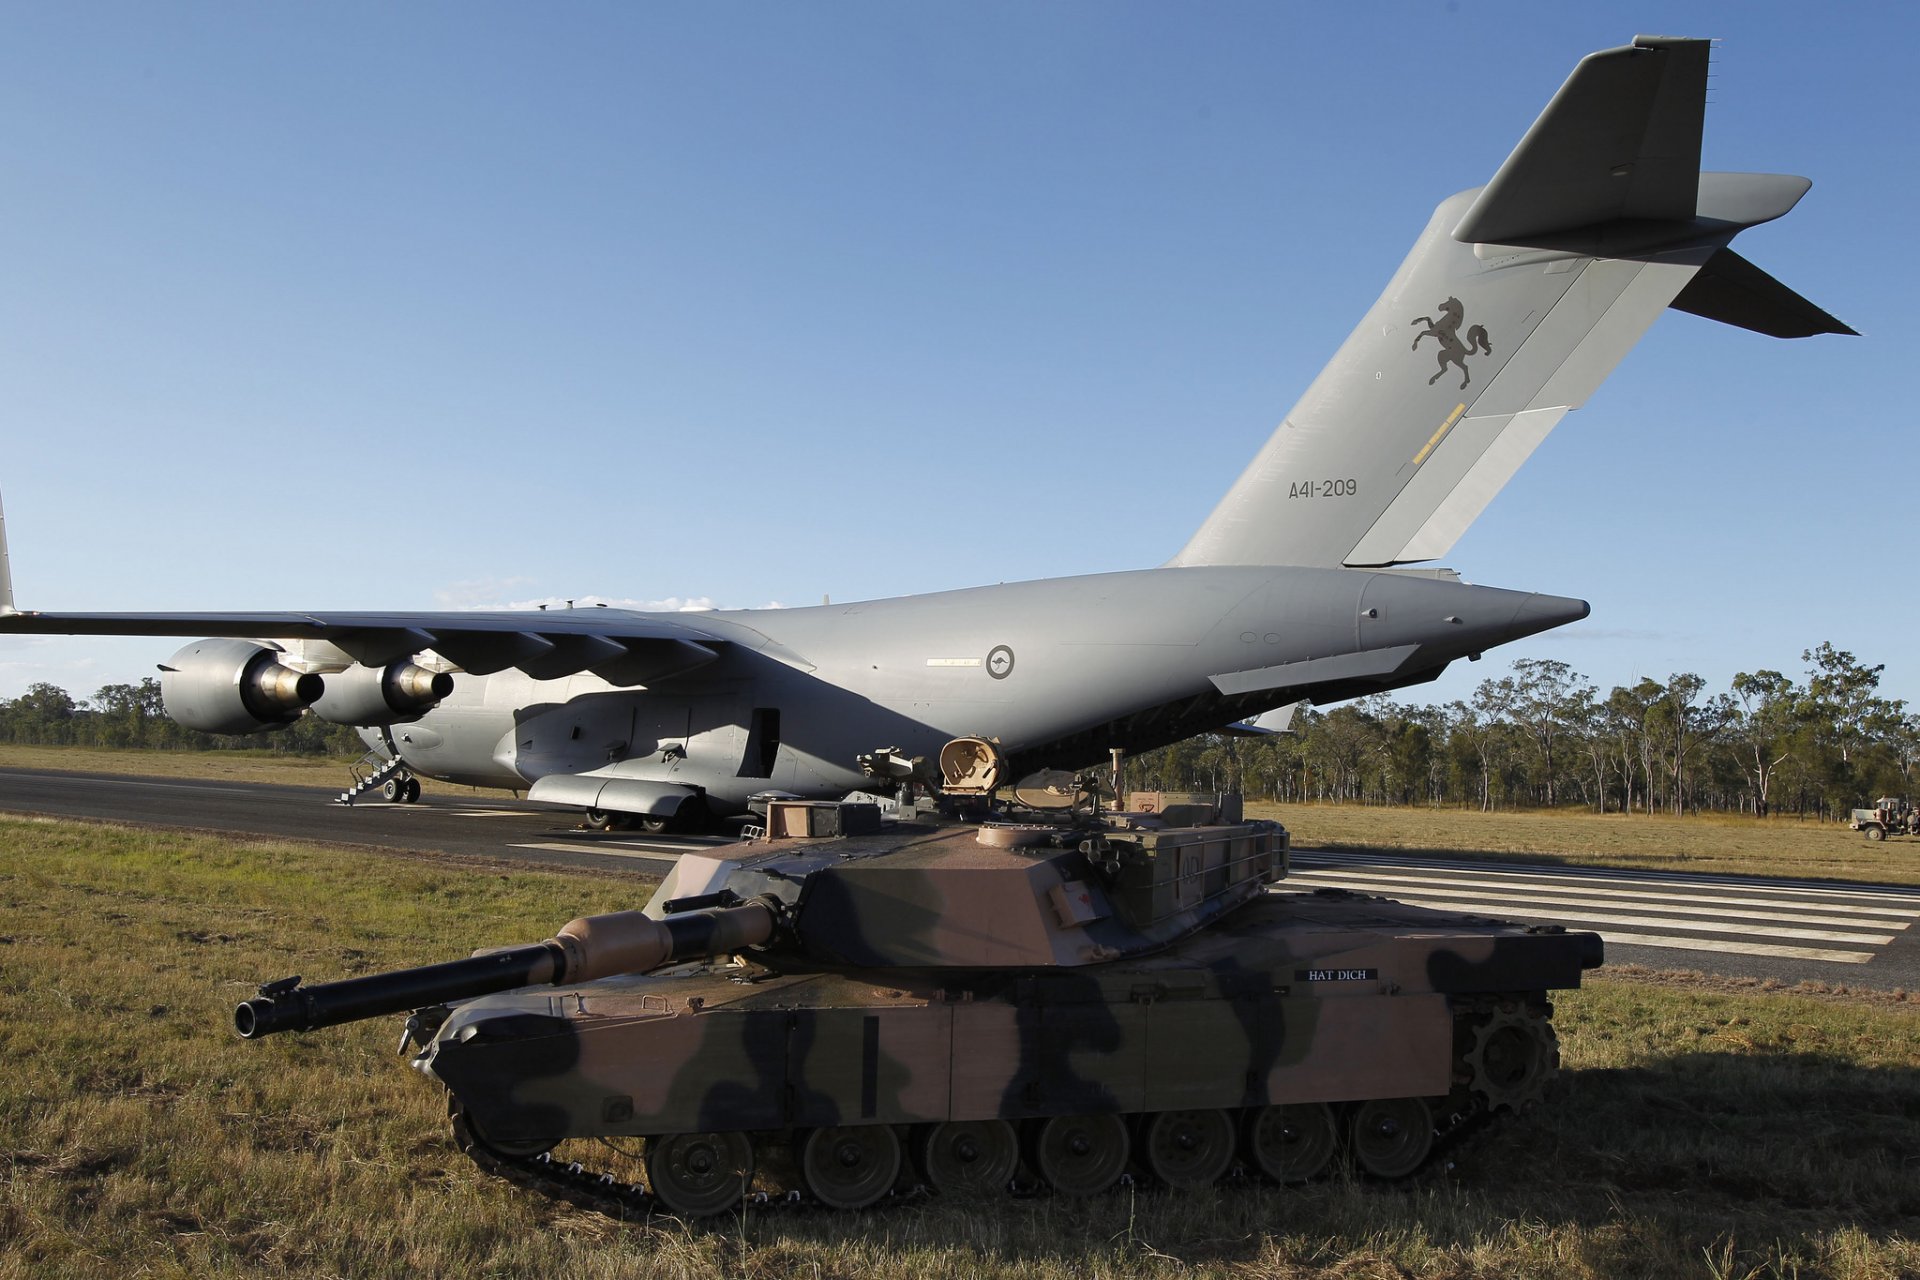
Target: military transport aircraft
1517,299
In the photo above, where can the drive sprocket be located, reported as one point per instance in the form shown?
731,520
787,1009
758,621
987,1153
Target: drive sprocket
1512,1056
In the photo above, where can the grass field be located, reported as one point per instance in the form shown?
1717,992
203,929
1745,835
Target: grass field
1696,1132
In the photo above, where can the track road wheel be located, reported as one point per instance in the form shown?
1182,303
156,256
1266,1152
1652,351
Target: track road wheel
850,1166
1293,1142
967,1157
1187,1149
1392,1136
1080,1155
700,1174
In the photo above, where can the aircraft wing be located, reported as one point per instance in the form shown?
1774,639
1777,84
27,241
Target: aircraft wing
622,646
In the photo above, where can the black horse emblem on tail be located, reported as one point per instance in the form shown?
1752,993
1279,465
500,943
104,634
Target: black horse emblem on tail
1446,331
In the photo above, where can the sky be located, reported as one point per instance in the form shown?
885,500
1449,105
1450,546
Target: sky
437,305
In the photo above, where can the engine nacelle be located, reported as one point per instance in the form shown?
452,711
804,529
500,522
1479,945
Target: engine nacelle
234,686
382,695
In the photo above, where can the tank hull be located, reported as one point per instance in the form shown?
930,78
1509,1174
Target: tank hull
1294,998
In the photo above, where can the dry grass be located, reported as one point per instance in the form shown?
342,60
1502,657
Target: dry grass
1699,1131
330,773
1697,843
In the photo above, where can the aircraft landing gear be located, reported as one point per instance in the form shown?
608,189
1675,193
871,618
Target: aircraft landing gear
402,788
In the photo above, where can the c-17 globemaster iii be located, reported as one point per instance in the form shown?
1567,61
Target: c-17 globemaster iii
1517,299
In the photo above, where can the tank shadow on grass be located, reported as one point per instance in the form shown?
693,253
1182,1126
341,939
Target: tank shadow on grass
1694,1153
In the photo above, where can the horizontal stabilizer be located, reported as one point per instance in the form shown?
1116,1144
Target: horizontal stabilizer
1619,142
1734,291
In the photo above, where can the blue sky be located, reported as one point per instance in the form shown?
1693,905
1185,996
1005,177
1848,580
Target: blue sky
435,305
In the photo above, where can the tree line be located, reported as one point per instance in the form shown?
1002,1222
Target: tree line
130,715
1543,736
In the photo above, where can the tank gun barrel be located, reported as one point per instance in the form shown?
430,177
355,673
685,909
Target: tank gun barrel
587,948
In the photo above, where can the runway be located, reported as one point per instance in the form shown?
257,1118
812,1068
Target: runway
483,826
1738,926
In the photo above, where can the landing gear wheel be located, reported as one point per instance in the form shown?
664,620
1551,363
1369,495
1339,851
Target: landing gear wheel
1392,1136
600,820
412,793
1513,1057
700,1174
967,1157
1292,1143
1080,1155
468,1135
650,824
1187,1149
850,1166
392,789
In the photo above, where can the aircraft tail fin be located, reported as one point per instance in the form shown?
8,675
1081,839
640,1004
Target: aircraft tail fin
1515,303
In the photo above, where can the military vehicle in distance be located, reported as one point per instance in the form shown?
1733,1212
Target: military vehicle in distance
974,1005
1890,816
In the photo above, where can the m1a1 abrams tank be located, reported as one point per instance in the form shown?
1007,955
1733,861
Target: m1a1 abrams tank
973,1006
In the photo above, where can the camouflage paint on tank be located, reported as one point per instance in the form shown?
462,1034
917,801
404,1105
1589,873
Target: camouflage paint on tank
985,999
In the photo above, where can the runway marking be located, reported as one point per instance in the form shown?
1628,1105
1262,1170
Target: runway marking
1699,926
170,786
1663,911
494,813
609,850
1740,948
1813,913
1535,871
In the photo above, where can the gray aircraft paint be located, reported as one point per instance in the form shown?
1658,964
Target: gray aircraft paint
1472,354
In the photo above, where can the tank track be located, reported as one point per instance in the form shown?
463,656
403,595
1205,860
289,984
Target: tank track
1496,1039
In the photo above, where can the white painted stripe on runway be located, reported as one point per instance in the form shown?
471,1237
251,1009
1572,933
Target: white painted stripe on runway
1554,901
496,813
1534,871
639,855
1667,922
1838,911
1739,948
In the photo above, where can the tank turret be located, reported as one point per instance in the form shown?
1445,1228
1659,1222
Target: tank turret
970,1005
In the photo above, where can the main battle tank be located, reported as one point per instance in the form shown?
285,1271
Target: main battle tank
974,1005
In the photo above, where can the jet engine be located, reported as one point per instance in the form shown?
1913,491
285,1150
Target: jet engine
234,686
370,696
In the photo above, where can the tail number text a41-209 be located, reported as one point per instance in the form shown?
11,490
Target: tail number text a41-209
1323,488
